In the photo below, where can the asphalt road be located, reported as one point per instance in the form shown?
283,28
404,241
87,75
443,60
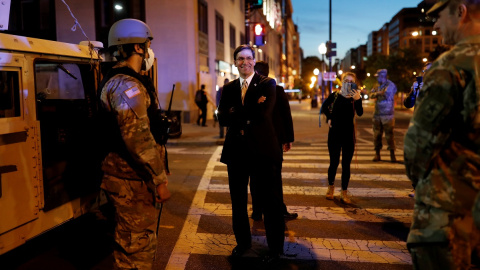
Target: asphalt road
195,229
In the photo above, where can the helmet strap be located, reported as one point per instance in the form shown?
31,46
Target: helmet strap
121,52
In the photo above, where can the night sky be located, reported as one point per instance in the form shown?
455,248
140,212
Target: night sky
352,21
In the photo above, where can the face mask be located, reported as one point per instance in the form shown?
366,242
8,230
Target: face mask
148,62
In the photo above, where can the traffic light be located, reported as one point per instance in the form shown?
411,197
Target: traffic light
259,30
331,46
256,4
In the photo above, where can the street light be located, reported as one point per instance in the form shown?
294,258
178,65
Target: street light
352,67
316,71
322,49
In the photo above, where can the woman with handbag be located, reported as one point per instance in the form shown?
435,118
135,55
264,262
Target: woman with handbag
340,109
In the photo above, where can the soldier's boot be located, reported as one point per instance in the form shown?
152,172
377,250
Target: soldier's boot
377,156
392,156
344,197
330,190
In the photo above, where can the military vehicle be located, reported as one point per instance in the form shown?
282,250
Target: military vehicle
49,166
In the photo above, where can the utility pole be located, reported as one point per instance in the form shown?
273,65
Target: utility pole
247,22
330,39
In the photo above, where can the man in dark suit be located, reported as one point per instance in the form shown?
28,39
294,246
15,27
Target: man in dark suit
283,124
251,152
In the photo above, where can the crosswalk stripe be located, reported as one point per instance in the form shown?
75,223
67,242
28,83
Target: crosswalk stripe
306,248
304,165
325,147
370,153
320,191
354,177
180,254
353,166
397,130
322,157
323,213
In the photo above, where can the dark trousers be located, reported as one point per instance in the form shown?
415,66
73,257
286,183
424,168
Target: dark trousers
383,124
261,173
340,143
203,114
277,188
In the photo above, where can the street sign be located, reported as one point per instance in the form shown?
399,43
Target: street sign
330,76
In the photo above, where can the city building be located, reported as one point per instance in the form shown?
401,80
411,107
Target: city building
378,41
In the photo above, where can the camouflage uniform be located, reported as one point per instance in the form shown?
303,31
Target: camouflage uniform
442,157
383,117
132,171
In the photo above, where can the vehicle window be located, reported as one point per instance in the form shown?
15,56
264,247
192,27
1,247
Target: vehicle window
66,109
59,81
9,94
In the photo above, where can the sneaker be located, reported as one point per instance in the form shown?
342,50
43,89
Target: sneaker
412,193
330,190
345,197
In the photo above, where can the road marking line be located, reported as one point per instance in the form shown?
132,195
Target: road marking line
320,191
303,165
306,248
370,153
180,254
325,147
398,130
322,157
353,166
353,177
324,213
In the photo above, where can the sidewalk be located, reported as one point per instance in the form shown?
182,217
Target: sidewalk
198,135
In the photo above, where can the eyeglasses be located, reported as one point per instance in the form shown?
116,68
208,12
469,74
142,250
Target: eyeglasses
242,59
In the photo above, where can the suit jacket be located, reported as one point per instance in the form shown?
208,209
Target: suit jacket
282,117
250,126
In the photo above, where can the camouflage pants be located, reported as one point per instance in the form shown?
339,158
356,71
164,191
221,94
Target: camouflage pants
432,257
381,124
439,256
135,217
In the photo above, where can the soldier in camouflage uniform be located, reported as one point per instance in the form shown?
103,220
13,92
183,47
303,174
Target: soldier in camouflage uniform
442,146
134,170
383,117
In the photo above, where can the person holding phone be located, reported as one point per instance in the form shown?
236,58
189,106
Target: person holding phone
340,109
409,102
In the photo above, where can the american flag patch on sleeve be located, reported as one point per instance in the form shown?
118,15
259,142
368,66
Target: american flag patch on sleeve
132,92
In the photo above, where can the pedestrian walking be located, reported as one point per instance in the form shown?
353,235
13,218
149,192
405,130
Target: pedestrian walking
383,117
340,109
134,168
283,124
442,147
218,97
251,152
201,100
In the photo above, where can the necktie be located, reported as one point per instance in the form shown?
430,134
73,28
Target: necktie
244,89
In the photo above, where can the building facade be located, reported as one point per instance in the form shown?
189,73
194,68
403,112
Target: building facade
193,40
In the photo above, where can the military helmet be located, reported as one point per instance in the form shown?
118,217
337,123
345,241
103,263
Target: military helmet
129,31
435,9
